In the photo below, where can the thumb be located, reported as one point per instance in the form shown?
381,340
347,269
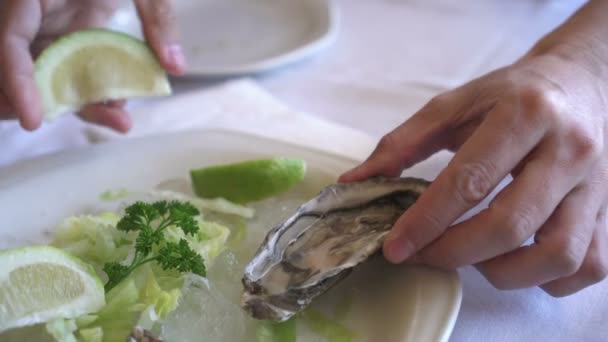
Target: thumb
160,29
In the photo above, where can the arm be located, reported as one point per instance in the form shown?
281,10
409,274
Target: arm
583,38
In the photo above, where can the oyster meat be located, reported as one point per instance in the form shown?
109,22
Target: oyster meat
322,242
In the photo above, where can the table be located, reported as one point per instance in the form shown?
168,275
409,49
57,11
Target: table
391,57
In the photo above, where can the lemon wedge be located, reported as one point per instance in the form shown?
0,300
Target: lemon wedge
96,65
40,283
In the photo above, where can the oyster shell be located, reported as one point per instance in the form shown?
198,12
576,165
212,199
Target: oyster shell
140,334
322,242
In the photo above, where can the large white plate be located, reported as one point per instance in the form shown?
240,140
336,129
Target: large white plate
236,37
397,303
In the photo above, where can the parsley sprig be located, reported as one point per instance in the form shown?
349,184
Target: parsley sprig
150,220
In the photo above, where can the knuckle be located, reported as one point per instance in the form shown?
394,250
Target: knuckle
586,144
513,227
567,255
474,181
439,101
441,110
537,104
499,280
387,144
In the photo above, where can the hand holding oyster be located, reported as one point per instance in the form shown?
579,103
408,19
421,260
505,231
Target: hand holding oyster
322,242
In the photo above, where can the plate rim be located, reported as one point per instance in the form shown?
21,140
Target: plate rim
16,169
125,20
282,59
453,313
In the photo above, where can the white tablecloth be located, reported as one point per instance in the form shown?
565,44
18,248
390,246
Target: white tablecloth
390,58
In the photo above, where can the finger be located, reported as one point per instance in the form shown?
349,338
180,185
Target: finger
20,20
77,15
114,103
426,132
6,112
396,150
160,29
501,141
109,114
513,216
594,268
559,248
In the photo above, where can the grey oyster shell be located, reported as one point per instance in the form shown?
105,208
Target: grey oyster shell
321,243
140,334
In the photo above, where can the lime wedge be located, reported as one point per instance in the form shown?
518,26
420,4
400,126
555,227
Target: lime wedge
248,181
97,65
41,283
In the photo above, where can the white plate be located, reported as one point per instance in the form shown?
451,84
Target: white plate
396,303
236,37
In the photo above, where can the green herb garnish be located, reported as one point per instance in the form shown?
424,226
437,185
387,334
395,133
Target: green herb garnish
150,220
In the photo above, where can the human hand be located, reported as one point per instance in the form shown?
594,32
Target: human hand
543,120
27,26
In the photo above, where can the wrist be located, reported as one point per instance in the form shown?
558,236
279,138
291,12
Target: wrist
587,52
581,40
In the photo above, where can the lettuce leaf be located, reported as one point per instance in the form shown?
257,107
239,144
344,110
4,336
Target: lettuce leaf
62,330
128,301
113,195
164,299
91,335
209,241
218,205
115,320
94,239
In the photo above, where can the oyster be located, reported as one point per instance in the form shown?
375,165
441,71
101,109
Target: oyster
140,334
321,243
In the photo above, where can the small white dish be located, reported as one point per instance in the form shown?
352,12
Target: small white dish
223,38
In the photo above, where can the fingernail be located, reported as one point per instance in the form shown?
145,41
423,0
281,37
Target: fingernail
398,250
176,56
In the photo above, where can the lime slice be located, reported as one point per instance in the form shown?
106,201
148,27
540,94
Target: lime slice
249,180
41,283
97,65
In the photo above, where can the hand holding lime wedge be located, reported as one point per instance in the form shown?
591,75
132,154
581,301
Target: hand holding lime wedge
93,66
